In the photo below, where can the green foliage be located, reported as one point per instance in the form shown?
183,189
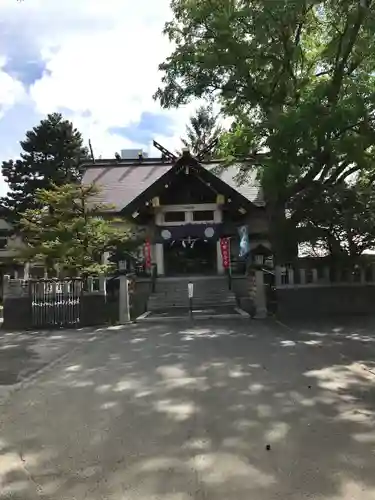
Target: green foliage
297,77
203,129
70,231
52,155
343,222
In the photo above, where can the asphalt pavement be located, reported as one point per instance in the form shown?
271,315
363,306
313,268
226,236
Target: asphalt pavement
224,410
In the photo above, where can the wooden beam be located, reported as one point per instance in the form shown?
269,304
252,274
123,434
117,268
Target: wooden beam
164,151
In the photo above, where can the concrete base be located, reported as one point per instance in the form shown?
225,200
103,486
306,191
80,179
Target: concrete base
197,314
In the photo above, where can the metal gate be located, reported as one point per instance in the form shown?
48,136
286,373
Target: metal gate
56,303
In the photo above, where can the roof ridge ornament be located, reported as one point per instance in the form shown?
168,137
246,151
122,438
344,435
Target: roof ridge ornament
165,153
200,156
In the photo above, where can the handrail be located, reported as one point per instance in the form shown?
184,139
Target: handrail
229,274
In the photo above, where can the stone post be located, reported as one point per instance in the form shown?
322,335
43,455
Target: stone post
90,284
373,273
327,274
290,276
260,296
105,258
159,258
124,304
6,281
102,285
338,275
314,275
278,273
363,275
26,271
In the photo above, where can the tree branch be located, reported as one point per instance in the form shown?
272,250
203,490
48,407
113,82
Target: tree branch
340,67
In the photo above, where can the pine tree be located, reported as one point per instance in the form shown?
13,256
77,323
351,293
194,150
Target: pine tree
70,231
52,154
203,129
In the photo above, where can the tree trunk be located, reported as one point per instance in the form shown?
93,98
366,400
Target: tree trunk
282,235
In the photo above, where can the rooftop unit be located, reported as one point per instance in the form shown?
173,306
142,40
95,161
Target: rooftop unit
132,154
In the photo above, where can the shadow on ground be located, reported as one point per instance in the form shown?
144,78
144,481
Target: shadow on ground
23,353
173,413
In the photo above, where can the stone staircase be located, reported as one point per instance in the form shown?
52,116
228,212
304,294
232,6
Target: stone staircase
209,291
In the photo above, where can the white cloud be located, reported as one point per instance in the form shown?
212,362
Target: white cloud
112,72
101,65
11,90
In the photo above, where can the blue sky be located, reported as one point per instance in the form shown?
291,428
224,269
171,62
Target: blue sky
94,61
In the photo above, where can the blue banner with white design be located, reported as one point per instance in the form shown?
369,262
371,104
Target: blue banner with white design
244,240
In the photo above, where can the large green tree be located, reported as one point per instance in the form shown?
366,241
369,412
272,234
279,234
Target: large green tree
202,130
52,154
297,76
342,223
70,231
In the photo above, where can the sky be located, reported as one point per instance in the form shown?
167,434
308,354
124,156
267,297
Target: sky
96,62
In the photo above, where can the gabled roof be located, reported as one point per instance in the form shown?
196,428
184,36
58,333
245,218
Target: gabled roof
251,189
120,182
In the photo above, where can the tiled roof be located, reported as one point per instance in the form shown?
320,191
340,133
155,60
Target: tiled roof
251,189
120,183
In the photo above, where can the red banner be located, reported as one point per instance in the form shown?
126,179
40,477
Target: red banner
224,245
147,251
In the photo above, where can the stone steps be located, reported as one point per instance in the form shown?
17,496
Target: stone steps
207,293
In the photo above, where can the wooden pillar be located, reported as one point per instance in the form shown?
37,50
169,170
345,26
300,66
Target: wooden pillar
219,259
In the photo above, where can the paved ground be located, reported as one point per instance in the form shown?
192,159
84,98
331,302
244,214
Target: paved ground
175,412
23,354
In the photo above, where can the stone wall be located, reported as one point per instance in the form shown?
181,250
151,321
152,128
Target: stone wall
324,292
16,304
94,309
315,301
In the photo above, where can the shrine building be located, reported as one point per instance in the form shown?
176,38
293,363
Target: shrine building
192,210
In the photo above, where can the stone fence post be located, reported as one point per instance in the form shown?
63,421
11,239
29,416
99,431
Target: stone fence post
124,303
260,296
